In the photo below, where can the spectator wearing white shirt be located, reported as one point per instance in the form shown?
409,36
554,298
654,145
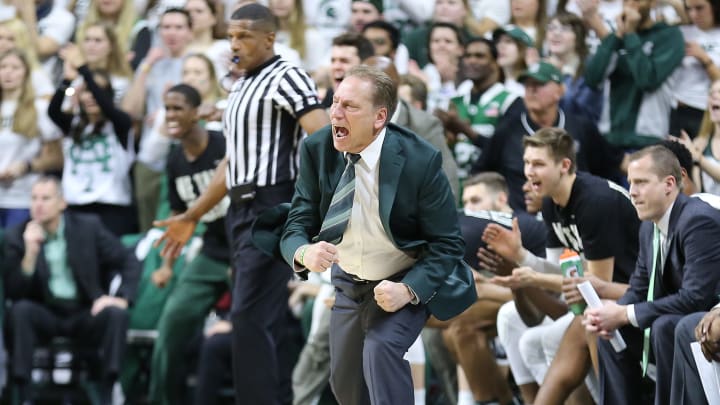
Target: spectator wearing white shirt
28,139
51,26
699,67
14,34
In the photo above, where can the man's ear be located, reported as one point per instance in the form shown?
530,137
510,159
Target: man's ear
381,118
502,198
269,40
565,164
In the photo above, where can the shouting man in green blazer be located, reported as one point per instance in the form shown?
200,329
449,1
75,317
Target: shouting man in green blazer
373,206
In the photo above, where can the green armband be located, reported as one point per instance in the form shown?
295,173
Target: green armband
302,255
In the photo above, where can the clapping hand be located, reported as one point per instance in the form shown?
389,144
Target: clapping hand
521,277
504,242
494,263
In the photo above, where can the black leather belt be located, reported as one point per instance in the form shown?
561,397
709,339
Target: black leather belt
358,280
242,193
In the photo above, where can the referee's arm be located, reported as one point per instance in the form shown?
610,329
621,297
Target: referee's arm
313,120
217,189
181,227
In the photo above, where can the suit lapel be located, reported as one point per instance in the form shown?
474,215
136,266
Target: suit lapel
392,160
667,270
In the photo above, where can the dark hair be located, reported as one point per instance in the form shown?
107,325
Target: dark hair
458,34
664,162
715,5
192,96
392,31
578,27
386,65
493,181
49,178
81,121
178,10
356,40
682,154
559,143
490,44
384,89
260,15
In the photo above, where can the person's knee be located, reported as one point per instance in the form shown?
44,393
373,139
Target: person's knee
529,348
22,310
685,329
663,330
460,332
507,317
171,319
114,317
115,313
378,348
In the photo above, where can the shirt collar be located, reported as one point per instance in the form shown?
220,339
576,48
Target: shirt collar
371,154
396,114
262,66
664,222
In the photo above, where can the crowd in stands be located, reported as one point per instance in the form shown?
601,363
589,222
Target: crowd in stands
111,117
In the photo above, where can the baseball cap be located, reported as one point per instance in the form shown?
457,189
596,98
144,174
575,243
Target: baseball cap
543,72
377,3
514,32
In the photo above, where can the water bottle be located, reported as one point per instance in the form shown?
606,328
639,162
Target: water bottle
571,266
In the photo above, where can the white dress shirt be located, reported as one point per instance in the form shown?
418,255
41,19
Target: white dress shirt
366,250
663,226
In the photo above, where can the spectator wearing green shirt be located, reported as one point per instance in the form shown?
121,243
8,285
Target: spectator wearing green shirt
637,60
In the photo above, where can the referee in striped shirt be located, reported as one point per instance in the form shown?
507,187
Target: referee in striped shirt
268,110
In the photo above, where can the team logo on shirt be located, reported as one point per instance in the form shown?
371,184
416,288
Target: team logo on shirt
91,155
569,236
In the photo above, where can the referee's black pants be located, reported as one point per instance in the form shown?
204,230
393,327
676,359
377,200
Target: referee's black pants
259,305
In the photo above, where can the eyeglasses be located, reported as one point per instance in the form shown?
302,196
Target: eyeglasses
559,28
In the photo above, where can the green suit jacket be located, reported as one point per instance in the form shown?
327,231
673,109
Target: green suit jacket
417,210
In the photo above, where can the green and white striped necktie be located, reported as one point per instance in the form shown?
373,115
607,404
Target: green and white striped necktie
338,213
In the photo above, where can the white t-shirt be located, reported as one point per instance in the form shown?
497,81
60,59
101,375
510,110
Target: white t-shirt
97,169
608,10
316,47
498,11
416,12
329,17
18,148
219,53
440,93
41,83
58,25
691,78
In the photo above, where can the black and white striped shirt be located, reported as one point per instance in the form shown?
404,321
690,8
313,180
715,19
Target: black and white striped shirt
261,123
